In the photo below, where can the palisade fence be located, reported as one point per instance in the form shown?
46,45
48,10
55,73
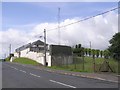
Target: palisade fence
90,64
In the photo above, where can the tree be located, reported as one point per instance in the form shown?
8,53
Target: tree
93,53
101,53
77,49
79,45
97,53
89,51
106,54
82,51
115,46
76,46
86,51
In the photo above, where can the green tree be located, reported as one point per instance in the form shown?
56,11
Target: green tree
89,52
82,51
97,53
101,53
77,50
93,53
106,54
76,46
115,46
79,45
86,51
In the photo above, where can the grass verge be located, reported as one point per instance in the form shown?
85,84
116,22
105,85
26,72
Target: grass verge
25,61
77,65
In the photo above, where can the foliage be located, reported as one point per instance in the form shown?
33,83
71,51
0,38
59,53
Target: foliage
106,54
97,53
88,62
101,53
89,52
86,51
93,53
7,59
115,46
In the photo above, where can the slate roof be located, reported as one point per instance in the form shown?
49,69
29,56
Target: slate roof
34,44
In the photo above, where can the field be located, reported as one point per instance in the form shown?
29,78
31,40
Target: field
88,65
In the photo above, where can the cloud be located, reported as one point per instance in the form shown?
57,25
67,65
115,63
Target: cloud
98,30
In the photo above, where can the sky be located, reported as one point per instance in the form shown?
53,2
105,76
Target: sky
23,22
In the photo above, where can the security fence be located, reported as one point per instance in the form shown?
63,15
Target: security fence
90,64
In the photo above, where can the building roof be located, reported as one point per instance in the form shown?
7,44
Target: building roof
36,43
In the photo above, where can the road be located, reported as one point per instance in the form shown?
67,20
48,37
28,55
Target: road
18,76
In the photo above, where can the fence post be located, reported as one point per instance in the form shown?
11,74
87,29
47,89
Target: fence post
75,56
94,63
83,63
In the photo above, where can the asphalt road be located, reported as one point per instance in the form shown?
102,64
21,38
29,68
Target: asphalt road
18,76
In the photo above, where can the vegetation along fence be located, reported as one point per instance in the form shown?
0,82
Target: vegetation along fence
90,60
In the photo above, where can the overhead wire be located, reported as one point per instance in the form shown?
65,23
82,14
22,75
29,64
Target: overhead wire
87,18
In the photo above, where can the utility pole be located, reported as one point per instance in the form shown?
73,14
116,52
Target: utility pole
90,44
45,47
5,55
59,26
10,49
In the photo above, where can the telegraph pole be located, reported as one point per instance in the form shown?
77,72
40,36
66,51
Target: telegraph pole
10,49
90,44
5,55
45,47
59,26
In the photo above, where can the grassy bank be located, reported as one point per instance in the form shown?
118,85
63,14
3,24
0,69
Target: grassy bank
88,65
7,59
25,61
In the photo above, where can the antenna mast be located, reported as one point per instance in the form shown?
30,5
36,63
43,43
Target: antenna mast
59,26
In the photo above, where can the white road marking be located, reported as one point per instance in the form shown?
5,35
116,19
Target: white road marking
15,68
101,79
23,71
62,83
69,74
34,75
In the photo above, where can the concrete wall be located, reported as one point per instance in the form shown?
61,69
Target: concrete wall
61,60
16,54
38,57
58,55
61,55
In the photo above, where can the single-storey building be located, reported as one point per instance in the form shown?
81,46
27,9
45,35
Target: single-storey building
55,54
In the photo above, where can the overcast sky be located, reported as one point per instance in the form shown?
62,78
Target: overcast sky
24,22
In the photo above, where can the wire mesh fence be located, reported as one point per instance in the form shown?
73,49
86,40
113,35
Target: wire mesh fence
90,64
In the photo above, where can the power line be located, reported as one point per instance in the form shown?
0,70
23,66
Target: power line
86,18
29,39
74,22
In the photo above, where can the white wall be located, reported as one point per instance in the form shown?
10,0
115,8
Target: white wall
16,54
38,57
48,58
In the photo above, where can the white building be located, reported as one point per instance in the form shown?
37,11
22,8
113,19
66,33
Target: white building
35,51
